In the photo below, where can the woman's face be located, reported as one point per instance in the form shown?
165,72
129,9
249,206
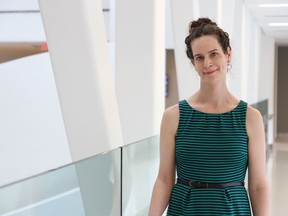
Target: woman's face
209,59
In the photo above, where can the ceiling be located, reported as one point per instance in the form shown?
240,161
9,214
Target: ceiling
266,15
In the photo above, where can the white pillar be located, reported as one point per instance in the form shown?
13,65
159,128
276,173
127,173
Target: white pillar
183,12
139,66
77,44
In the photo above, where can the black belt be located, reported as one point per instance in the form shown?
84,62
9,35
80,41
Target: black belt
208,185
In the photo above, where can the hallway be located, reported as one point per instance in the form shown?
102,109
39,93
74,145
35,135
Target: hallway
278,177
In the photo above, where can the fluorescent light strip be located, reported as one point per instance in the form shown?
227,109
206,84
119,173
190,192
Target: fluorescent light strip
273,5
278,24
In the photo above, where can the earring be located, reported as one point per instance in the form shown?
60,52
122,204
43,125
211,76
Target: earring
229,67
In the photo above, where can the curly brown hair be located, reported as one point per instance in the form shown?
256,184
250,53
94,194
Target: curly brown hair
204,26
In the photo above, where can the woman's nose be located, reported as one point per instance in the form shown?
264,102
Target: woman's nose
207,62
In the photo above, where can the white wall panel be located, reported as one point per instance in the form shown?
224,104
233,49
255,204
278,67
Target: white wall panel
169,39
250,58
21,27
19,5
266,80
33,138
267,70
236,41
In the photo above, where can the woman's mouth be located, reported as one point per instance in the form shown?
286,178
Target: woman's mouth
209,72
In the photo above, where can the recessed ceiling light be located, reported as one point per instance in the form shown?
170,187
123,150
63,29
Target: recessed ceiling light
278,24
273,5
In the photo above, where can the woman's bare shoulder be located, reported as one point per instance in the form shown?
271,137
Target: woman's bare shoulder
172,111
254,119
253,114
171,117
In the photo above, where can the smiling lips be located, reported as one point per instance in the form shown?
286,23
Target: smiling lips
209,72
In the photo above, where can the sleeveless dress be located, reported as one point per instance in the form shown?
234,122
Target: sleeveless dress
210,148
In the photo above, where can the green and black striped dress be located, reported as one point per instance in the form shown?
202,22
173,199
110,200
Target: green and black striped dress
211,148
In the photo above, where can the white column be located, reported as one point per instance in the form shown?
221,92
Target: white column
139,66
211,9
228,15
77,44
183,12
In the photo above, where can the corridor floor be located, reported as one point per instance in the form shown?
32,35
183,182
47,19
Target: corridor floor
277,169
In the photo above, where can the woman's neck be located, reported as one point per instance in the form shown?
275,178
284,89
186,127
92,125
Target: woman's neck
214,94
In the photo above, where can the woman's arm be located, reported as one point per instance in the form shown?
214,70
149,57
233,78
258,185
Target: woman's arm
166,174
257,179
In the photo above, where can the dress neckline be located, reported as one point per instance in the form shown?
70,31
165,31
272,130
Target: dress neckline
213,113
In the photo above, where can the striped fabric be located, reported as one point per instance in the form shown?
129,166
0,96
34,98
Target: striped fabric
211,148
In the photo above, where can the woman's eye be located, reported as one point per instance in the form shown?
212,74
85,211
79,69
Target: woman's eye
213,54
198,58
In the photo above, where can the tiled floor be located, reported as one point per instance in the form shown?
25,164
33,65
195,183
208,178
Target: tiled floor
277,168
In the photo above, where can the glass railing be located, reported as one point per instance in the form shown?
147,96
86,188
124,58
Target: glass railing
140,167
116,183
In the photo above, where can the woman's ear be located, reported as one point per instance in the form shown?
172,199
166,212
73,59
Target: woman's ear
229,54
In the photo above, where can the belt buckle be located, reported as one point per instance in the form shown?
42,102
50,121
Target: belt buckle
190,183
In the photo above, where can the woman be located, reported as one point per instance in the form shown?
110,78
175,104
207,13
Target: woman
211,138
